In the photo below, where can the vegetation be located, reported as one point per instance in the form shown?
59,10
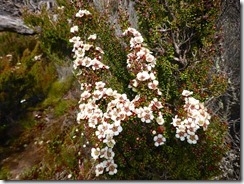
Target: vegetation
184,38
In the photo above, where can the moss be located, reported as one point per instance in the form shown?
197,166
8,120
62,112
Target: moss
57,91
63,107
4,173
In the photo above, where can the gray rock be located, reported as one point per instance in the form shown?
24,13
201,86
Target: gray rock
11,11
14,24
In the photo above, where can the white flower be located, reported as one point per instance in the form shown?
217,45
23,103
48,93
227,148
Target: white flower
160,120
116,128
100,85
122,97
131,30
188,122
109,91
186,93
138,39
159,92
36,58
132,43
111,105
85,95
60,7
82,107
101,129
122,115
23,100
107,153
92,122
80,116
150,58
125,32
152,76
103,150
142,76
153,85
134,83
194,103
86,62
74,39
138,112
192,129
99,169
114,114
141,53
159,140
74,29
192,139
181,132
81,13
111,168
82,86
181,135
176,121
87,47
79,53
95,153
109,140
156,103
106,163
128,108
149,67
181,128
97,94
147,115
115,94
194,113
92,37
99,50
200,120
205,125
96,64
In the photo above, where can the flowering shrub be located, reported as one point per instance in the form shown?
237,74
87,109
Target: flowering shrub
136,118
104,111
196,117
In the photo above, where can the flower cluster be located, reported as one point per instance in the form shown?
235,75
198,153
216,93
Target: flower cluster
196,117
82,13
104,109
80,48
108,122
141,62
81,59
89,101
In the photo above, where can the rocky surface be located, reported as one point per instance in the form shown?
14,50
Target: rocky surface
8,7
14,24
11,11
